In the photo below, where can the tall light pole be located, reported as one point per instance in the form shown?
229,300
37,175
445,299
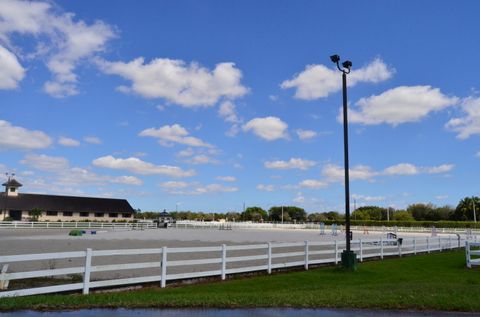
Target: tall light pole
348,256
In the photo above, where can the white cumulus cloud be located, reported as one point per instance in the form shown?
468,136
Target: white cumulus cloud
11,72
45,162
194,188
137,166
336,173
313,184
201,159
68,141
367,198
14,137
318,81
175,133
128,180
92,140
399,105
293,163
306,134
268,128
62,41
265,187
401,169
173,184
188,85
226,178
469,124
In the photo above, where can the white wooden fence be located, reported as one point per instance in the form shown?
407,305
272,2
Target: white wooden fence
189,224
215,261
472,248
75,225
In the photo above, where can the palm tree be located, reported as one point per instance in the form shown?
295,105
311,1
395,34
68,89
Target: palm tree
464,210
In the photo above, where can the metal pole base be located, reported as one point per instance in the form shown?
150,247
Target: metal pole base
349,260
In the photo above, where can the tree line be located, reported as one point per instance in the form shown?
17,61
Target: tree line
464,211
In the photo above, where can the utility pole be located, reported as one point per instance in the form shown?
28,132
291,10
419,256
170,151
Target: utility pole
282,214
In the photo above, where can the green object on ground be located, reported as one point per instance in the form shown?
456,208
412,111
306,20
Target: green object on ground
349,260
436,281
75,233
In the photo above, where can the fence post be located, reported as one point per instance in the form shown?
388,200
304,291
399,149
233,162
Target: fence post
449,241
439,244
86,274
3,281
414,245
399,248
361,250
306,255
224,260
336,252
381,248
467,253
163,281
269,265
428,245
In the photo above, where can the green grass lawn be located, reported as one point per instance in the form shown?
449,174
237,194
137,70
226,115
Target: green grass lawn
438,281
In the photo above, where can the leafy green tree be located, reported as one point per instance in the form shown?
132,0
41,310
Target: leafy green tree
370,213
444,213
289,213
333,215
316,217
35,213
402,215
254,214
421,211
232,216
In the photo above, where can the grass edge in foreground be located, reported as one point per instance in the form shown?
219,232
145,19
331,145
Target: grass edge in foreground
437,281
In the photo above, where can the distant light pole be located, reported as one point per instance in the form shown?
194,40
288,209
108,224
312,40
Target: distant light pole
282,214
348,256
474,213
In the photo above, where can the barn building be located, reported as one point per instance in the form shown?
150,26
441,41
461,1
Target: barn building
19,206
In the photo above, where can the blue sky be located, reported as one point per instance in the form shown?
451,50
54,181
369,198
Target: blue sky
210,104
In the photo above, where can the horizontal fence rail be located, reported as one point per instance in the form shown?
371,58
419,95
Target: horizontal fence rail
76,225
169,264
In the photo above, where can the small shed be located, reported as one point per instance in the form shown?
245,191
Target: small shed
165,217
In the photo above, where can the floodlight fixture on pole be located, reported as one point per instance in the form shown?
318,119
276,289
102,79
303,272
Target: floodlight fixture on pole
349,258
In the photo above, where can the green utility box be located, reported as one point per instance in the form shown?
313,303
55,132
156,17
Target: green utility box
349,260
